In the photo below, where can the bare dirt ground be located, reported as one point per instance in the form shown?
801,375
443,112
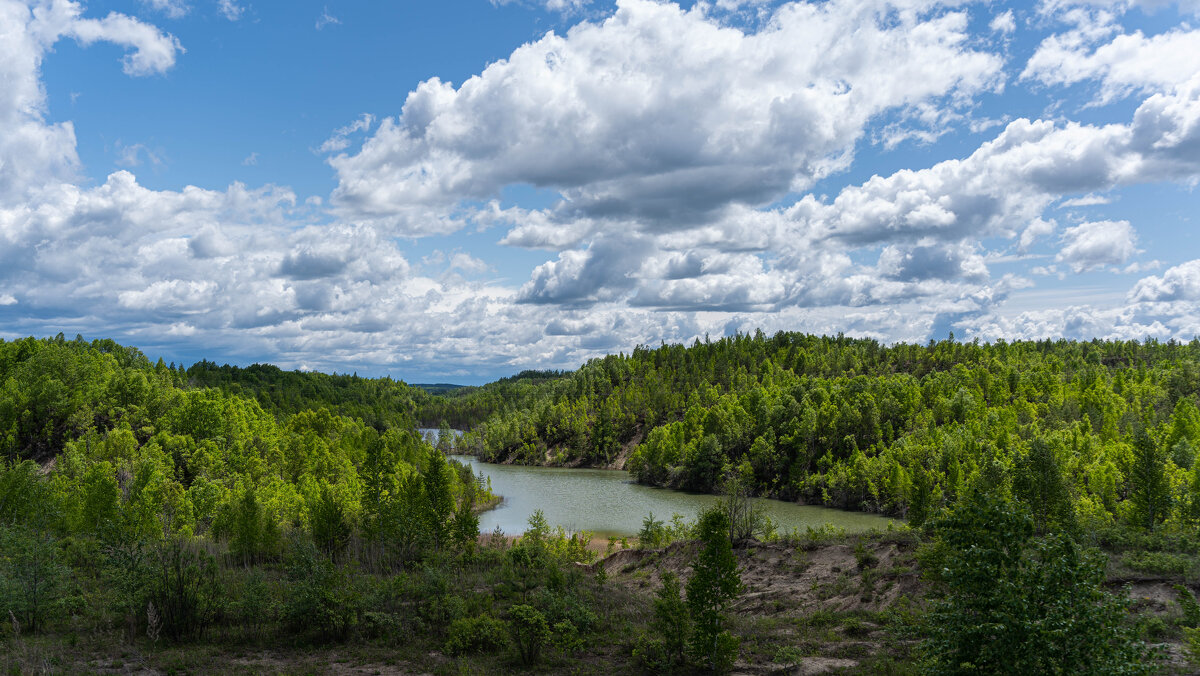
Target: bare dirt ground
803,610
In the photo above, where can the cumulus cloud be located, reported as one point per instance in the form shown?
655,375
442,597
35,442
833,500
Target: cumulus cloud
1004,185
1096,244
661,114
1127,64
1180,283
32,151
1004,23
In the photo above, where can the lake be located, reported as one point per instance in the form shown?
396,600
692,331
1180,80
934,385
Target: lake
608,503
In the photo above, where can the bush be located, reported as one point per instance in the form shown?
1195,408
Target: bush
481,634
530,632
32,580
321,601
254,605
330,527
1189,606
1159,563
183,588
1191,644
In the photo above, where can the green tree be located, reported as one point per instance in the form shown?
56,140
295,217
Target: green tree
330,527
713,584
1040,484
32,576
440,500
1150,491
1011,604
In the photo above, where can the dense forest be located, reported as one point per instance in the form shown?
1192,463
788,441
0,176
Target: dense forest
1097,432
103,444
181,516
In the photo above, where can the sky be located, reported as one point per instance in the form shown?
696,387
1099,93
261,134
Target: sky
455,191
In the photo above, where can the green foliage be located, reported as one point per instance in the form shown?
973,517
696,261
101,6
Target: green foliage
330,527
1150,494
671,627
1039,482
1188,606
656,533
33,579
1191,644
530,632
480,634
183,588
321,602
1159,563
1015,604
713,584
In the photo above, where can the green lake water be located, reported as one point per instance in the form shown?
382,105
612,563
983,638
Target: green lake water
608,503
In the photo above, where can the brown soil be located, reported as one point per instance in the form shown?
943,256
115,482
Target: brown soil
779,578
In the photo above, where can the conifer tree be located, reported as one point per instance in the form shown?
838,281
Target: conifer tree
713,584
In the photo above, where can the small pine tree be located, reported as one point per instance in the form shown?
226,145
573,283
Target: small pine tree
671,620
714,583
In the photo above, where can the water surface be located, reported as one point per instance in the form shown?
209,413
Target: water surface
608,503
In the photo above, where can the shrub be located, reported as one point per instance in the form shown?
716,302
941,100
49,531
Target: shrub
183,588
1191,644
1189,606
671,625
530,632
32,579
321,601
1159,563
481,634
330,527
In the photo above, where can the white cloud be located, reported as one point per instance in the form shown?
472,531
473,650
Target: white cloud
7,299
1004,23
563,6
135,155
1097,244
468,263
230,9
1089,200
327,19
1127,64
661,115
33,152
173,8
250,160
340,139
1037,229
1180,283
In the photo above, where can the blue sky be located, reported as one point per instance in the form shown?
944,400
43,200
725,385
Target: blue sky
456,191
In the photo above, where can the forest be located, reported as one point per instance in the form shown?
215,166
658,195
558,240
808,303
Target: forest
175,519
1092,433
